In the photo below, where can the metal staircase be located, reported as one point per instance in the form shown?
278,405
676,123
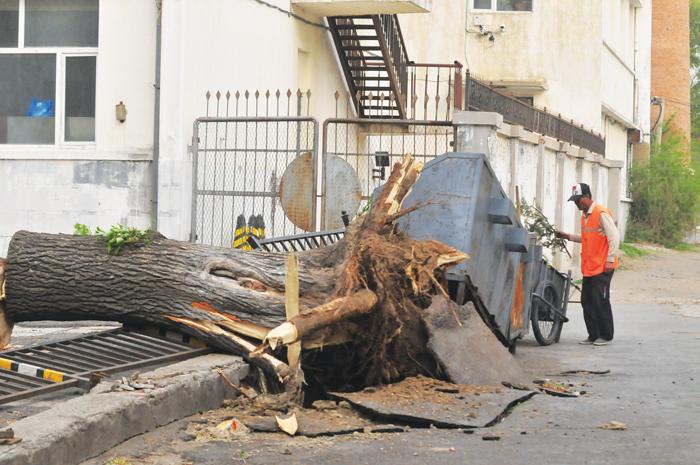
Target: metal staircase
374,60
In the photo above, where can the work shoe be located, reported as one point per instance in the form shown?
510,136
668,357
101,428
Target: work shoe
602,342
588,340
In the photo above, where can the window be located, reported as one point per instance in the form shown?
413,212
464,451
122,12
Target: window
48,56
503,5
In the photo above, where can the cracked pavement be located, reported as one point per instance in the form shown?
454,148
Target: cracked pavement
653,387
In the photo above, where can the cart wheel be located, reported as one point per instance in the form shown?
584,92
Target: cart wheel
546,325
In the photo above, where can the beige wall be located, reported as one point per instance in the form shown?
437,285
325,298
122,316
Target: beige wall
541,46
588,60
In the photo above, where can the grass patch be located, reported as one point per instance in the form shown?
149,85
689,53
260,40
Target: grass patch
685,247
632,251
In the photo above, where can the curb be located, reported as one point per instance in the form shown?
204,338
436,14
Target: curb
86,426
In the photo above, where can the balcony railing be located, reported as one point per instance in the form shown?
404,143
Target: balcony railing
479,96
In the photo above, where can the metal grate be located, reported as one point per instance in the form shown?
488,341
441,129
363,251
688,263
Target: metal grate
299,242
74,362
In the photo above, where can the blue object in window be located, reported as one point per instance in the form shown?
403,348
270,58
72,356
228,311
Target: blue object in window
40,108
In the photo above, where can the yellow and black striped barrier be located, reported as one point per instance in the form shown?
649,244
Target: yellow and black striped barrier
254,228
31,370
240,236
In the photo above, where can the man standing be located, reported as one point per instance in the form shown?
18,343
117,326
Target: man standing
600,241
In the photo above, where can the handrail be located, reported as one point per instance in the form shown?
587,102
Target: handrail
449,86
391,38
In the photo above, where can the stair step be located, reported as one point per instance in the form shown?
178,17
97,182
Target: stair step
367,68
371,78
379,107
376,98
354,26
368,59
359,38
382,116
362,47
377,88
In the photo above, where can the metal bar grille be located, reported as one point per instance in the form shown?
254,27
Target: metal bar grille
300,242
71,362
363,143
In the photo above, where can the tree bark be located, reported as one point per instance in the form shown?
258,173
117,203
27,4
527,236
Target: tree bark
368,289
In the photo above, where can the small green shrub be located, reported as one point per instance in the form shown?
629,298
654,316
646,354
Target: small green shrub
666,194
81,230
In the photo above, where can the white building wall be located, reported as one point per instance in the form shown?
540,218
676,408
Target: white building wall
230,45
50,188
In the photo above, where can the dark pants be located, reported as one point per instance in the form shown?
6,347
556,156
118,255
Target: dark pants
595,300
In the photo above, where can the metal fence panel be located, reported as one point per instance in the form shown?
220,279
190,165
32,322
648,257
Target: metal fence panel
368,143
238,163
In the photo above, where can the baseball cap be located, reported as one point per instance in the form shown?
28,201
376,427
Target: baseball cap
579,190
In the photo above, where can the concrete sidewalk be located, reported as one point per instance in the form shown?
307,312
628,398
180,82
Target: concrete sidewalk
85,426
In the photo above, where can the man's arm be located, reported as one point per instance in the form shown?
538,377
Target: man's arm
613,235
568,236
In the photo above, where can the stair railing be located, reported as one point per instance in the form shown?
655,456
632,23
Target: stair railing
394,47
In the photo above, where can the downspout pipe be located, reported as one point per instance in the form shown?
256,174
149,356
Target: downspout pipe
156,122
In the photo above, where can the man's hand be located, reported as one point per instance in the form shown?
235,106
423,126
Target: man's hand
563,235
609,266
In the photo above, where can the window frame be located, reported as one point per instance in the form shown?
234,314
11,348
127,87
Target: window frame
59,142
494,8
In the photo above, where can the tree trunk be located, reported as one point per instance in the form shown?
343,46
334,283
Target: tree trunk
370,287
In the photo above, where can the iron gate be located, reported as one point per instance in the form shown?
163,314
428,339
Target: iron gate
238,163
372,146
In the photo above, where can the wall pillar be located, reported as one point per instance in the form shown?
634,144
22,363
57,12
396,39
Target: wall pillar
474,130
560,203
539,187
514,141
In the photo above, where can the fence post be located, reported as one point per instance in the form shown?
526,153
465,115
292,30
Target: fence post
467,86
458,86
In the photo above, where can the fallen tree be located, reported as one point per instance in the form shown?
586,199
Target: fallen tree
365,292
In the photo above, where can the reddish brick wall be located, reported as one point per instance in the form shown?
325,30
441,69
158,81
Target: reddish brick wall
670,61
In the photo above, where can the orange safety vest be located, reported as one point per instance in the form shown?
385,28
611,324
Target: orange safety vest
594,243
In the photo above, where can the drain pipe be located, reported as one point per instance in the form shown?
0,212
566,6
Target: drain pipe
156,122
658,128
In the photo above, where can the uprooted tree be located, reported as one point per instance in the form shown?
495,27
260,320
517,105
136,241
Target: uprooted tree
360,299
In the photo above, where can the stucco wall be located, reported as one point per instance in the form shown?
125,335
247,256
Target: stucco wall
240,45
50,188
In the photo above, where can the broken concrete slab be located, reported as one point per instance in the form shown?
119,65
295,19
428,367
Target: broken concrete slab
58,436
316,423
466,348
421,401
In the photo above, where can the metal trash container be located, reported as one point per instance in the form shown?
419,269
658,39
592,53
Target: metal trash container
464,206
